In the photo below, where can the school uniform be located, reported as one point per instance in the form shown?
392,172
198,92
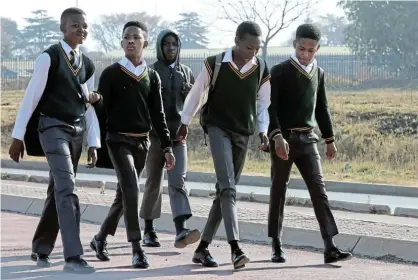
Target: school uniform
55,100
174,79
131,102
298,104
233,109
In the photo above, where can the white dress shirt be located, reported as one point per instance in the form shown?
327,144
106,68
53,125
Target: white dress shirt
308,68
138,70
36,88
198,95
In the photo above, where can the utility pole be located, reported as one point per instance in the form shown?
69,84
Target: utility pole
76,3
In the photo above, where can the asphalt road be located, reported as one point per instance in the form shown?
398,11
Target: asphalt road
168,262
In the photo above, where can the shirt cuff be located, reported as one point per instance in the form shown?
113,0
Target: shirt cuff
94,142
262,128
18,133
186,119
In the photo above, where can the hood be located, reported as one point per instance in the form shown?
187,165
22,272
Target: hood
159,47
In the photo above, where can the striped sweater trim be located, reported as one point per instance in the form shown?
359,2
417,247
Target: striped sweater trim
265,79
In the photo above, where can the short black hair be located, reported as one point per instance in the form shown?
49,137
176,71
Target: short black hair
248,27
70,12
138,24
308,31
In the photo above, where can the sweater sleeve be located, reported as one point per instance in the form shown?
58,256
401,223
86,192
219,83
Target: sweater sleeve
322,112
156,109
276,82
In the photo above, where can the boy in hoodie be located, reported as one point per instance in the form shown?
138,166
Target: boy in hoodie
176,81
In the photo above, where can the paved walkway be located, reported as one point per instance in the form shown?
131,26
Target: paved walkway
391,201
170,263
351,223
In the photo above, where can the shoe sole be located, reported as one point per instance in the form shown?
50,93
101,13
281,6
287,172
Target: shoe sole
278,261
191,238
198,261
95,250
341,260
241,262
151,245
40,264
140,266
70,270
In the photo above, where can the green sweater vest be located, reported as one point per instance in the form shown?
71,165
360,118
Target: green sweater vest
298,100
232,104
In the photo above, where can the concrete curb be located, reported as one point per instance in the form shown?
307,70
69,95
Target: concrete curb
406,212
260,198
260,181
361,245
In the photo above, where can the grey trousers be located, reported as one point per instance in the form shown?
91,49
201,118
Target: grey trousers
229,151
128,155
177,192
62,144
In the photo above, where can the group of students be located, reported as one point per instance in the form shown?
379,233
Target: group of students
142,112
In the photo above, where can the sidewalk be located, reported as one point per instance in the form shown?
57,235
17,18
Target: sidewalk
356,202
169,263
301,227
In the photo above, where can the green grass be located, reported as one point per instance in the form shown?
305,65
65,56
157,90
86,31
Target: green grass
376,137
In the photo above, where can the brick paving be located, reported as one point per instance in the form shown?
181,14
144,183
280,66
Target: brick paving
247,213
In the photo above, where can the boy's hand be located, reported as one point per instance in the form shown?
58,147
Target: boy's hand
182,133
281,147
91,157
16,150
94,96
169,160
264,141
331,151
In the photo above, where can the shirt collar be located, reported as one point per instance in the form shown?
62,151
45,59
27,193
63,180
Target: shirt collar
228,57
173,65
68,49
128,64
310,64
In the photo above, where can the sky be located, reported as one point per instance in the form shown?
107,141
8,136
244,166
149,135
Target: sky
209,11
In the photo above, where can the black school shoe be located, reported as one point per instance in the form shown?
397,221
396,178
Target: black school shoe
41,260
336,255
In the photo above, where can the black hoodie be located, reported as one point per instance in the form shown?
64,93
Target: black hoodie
175,81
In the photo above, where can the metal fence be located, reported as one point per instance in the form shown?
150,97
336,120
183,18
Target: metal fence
343,71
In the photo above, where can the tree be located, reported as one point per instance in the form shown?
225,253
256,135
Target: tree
384,32
107,32
273,15
192,32
10,36
333,29
41,32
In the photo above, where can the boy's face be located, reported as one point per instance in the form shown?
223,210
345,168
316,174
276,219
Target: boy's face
248,46
306,50
75,29
170,47
134,41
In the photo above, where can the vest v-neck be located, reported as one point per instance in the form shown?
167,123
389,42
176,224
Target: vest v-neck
242,75
75,71
309,75
132,75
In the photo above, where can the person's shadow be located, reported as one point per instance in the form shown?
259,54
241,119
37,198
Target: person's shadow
31,271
